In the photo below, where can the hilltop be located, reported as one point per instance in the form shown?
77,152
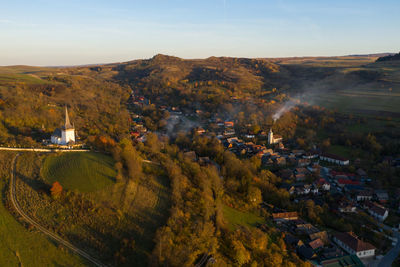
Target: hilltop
392,57
98,94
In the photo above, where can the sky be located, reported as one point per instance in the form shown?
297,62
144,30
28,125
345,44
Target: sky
74,32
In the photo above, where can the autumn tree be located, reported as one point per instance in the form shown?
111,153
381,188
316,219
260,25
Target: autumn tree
56,190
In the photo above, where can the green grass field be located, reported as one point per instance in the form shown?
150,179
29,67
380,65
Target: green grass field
22,247
82,171
26,78
236,218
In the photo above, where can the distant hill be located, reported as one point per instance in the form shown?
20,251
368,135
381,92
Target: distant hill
372,55
389,58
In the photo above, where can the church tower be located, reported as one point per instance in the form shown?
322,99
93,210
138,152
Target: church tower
270,137
68,130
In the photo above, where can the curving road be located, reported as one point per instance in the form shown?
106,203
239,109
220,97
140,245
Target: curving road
389,258
28,219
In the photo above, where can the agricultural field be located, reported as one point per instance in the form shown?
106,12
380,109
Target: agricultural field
374,102
236,218
20,246
82,171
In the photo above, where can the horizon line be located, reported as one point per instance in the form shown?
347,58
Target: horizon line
195,58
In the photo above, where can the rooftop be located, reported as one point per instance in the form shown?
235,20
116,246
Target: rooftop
352,241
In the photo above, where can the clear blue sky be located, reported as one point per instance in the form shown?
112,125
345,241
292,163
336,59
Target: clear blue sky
70,32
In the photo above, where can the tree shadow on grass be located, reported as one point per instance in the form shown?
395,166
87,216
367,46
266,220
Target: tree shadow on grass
35,184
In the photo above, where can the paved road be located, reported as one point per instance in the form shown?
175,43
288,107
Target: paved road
389,258
38,226
42,149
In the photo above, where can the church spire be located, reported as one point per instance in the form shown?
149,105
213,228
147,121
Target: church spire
67,122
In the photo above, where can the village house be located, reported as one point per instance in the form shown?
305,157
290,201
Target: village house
302,189
347,207
381,195
343,182
343,261
284,216
363,195
286,174
230,124
323,184
323,235
316,244
289,188
334,159
292,241
377,211
303,162
314,168
306,253
350,243
310,155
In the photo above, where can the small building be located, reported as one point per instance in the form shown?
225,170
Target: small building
316,244
343,182
230,124
344,261
350,243
363,195
323,184
347,207
334,159
291,240
310,155
191,155
323,235
381,195
301,162
285,216
306,253
377,211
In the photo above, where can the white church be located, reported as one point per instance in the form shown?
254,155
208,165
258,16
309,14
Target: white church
66,134
273,139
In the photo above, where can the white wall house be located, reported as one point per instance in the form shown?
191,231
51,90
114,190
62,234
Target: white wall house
378,211
64,135
334,159
363,195
350,243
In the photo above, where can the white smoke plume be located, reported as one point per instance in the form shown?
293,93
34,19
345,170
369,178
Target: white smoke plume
285,108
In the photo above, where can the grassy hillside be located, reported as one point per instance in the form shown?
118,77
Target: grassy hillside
20,246
98,95
237,218
115,221
85,172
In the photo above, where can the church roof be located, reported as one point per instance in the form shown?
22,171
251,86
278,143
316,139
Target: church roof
67,124
57,132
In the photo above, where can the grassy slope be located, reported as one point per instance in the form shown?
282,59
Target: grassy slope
21,247
141,207
80,171
146,204
236,218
